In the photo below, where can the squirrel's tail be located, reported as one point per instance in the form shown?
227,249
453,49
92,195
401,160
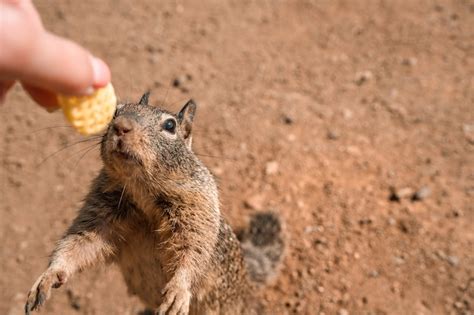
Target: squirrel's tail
262,245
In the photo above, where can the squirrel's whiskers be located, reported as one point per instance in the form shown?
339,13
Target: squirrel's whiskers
154,211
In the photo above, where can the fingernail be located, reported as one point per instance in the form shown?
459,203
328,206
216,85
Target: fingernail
101,72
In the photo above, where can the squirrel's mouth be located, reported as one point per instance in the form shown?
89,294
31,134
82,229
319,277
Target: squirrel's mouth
121,151
123,155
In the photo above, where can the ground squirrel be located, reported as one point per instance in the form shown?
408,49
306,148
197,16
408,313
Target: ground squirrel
154,211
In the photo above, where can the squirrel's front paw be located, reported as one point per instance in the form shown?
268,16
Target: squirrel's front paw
41,290
176,299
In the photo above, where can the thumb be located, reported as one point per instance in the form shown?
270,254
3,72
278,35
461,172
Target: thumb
61,66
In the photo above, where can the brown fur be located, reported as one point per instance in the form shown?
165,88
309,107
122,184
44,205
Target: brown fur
154,211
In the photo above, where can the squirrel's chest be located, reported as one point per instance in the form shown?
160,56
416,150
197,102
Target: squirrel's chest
141,265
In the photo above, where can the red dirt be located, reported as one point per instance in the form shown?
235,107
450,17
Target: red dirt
349,98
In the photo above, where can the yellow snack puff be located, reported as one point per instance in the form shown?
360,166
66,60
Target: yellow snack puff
90,114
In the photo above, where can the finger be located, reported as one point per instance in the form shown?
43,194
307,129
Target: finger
35,298
185,309
185,306
166,304
32,296
39,58
40,299
29,303
27,308
4,87
64,67
176,307
44,290
67,75
43,97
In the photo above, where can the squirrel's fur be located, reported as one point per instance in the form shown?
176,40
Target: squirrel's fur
154,211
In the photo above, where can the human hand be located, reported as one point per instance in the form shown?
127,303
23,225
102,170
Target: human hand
45,64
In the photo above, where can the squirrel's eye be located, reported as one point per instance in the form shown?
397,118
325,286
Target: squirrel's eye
169,125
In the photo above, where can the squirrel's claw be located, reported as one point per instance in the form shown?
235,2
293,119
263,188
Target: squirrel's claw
41,290
176,300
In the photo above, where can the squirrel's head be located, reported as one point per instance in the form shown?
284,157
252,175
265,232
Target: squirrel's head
144,139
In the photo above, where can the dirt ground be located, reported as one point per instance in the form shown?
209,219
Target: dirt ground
354,120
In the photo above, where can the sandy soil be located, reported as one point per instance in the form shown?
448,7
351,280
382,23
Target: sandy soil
324,111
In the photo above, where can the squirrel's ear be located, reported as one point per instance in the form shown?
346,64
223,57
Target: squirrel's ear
185,119
144,98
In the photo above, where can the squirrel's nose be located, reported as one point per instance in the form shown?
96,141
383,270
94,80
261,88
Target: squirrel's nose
122,125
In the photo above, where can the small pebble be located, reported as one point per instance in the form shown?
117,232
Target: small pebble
353,150
287,120
453,260
441,254
332,135
366,221
291,137
347,113
20,258
362,77
322,241
310,229
456,213
400,193
254,202
398,260
343,311
373,274
459,305
468,130
421,194
395,287
271,168
217,171
177,82
411,61
180,81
